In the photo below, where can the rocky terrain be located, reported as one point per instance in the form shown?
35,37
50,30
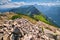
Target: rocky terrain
23,29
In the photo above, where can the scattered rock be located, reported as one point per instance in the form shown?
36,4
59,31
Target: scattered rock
23,29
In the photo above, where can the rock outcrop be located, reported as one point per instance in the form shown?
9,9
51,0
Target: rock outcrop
27,30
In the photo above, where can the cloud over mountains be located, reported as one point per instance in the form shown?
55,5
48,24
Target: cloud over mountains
10,4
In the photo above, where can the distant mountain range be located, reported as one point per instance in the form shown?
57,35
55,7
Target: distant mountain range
51,12
27,9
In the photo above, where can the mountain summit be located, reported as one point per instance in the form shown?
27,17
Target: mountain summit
28,10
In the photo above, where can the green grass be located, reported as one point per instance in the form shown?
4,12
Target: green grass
19,15
15,17
41,18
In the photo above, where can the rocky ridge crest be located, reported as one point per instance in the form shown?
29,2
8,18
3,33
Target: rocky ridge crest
28,30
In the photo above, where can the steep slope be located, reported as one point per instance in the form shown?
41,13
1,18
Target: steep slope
32,18
52,12
32,10
27,10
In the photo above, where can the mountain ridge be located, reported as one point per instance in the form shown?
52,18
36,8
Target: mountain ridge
32,9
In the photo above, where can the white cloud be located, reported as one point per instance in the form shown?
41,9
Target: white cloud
18,4
4,1
49,4
45,4
12,5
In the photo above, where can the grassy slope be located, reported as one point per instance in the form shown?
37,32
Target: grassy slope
32,19
35,17
24,16
42,18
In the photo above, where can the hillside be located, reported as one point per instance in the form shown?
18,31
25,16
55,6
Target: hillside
51,12
30,29
34,11
12,15
33,18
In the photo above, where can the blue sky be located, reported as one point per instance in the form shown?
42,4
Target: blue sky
35,0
